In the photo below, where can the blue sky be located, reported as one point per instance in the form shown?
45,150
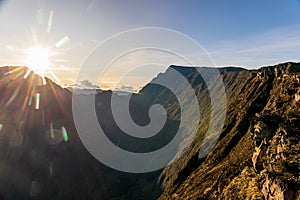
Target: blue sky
234,32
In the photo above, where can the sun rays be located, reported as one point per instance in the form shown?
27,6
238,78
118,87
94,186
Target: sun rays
26,90
28,100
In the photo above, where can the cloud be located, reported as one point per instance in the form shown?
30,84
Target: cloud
88,84
107,85
126,88
267,48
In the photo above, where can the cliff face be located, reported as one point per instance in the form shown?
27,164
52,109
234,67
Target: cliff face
258,153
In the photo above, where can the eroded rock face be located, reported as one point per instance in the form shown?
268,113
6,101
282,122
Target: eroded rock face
278,189
274,159
244,186
258,155
276,136
263,131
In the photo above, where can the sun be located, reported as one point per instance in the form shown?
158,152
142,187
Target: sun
38,59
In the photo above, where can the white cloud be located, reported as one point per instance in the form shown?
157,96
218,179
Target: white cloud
272,47
88,84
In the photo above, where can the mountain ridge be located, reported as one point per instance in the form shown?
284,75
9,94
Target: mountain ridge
248,161
240,113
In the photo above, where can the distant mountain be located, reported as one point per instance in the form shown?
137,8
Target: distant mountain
91,91
256,156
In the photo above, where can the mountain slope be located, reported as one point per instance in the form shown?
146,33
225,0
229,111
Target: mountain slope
41,155
257,155
36,161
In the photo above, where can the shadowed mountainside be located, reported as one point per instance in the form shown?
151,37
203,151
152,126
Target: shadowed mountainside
39,161
256,156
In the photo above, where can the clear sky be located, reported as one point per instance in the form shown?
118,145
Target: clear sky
233,32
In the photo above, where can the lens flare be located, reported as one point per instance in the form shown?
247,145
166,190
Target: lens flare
64,134
50,21
37,101
62,42
30,99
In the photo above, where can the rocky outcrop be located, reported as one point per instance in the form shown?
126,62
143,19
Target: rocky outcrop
276,159
279,188
258,154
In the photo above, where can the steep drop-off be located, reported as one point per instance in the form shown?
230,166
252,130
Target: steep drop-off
258,153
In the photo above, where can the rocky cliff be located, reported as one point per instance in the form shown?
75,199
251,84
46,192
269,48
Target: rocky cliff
258,153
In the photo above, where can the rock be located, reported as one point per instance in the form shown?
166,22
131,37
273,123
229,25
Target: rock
276,189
